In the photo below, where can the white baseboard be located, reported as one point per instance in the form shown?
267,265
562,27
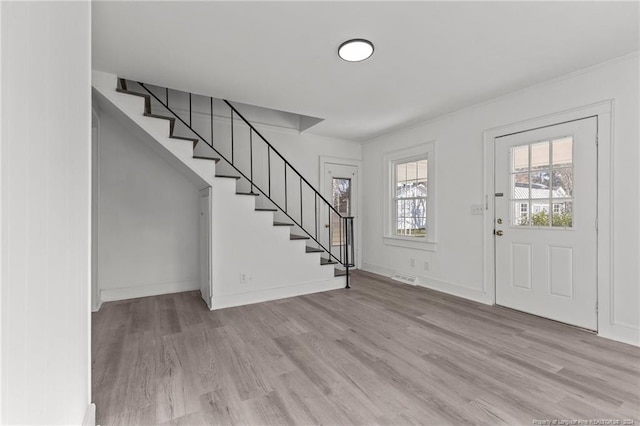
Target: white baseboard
433,284
90,416
132,292
621,333
240,299
377,269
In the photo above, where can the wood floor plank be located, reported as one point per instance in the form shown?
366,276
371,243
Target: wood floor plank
175,396
222,407
268,409
245,375
306,403
380,353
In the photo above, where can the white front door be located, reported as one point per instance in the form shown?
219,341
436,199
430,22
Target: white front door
545,222
340,189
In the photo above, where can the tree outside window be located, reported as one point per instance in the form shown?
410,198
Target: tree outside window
411,198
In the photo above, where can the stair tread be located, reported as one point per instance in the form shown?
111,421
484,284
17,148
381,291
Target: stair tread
262,209
298,237
325,261
199,157
163,117
228,176
184,138
282,224
255,194
131,92
313,250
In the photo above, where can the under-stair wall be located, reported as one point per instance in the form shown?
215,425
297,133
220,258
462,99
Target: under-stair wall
147,215
253,260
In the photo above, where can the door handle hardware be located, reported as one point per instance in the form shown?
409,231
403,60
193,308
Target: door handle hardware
327,225
499,233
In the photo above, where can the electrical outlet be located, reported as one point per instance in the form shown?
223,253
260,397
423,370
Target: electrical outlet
412,263
427,265
244,277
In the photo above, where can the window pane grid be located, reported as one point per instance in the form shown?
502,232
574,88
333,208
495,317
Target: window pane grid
410,200
542,183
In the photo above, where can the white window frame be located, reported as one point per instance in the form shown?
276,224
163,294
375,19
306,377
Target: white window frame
419,152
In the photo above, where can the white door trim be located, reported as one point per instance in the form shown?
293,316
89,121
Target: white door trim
206,293
322,188
604,113
96,302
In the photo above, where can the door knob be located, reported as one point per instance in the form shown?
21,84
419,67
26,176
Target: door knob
499,233
499,221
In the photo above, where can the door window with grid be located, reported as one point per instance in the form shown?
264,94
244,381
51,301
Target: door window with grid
542,184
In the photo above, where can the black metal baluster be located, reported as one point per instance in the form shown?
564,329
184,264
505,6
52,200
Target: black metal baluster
342,260
190,118
315,212
329,217
285,187
166,92
353,253
347,261
269,168
232,137
301,204
211,121
251,158
342,241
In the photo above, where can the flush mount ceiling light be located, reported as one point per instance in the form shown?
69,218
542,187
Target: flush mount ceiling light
355,50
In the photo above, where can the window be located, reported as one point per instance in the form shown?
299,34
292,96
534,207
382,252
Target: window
342,203
542,177
410,198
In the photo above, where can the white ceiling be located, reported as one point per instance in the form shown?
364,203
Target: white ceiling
431,57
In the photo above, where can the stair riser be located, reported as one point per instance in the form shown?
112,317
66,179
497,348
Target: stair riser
182,149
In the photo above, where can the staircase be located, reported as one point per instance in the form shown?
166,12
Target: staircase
253,187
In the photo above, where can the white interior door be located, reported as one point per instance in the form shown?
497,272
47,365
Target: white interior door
340,188
206,290
546,228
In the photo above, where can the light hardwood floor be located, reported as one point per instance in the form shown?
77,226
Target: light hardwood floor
379,353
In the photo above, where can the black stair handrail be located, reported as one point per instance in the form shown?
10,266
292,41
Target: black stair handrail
282,157
346,222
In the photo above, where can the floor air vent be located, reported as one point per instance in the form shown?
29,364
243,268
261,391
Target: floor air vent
404,278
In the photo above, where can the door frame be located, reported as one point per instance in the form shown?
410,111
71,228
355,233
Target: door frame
603,111
324,160
206,238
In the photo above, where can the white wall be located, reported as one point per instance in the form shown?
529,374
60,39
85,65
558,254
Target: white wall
45,199
147,219
457,265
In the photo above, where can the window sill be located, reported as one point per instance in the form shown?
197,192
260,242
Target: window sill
411,243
